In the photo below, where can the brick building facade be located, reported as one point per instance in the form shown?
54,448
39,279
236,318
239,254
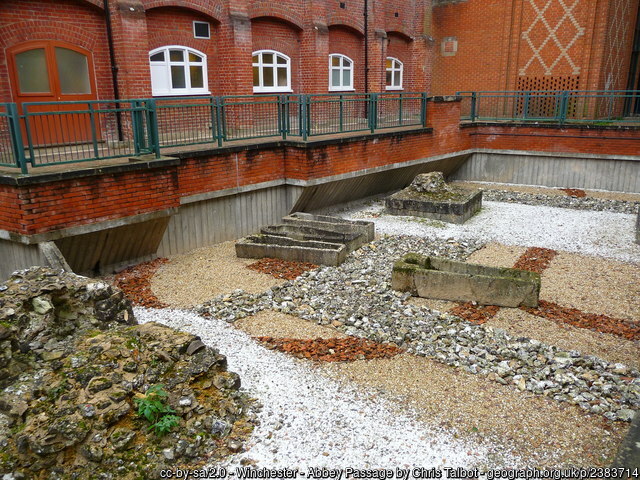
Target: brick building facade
499,45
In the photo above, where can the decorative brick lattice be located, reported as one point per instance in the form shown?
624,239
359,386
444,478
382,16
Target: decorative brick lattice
617,34
551,34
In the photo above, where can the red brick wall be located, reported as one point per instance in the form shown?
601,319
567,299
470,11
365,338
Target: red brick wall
75,22
57,205
346,41
174,26
506,45
274,34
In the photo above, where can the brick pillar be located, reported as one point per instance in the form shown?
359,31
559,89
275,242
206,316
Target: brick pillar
235,45
314,64
129,27
377,60
443,115
421,50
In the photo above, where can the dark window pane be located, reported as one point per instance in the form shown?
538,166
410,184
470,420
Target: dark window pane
176,55
197,79
282,77
268,77
201,29
281,60
335,78
177,77
389,79
267,58
256,76
194,58
157,57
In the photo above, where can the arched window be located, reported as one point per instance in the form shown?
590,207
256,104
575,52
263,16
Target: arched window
394,74
271,71
340,73
177,70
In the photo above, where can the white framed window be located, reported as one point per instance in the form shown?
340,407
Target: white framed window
271,71
340,73
177,70
394,74
201,29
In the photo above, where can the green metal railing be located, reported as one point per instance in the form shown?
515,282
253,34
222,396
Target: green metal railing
53,133
571,106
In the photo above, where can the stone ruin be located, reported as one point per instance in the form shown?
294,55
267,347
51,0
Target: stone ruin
444,279
72,361
429,196
303,237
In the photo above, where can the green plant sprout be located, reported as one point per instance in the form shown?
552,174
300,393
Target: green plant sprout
154,409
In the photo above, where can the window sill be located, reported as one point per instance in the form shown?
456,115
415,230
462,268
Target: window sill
334,90
273,91
181,94
394,88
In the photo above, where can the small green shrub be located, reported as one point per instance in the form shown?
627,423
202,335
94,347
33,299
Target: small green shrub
154,409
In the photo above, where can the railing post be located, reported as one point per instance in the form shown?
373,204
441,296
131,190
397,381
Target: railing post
373,113
136,124
218,117
278,103
16,137
400,111
27,129
304,111
152,127
474,100
564,104
282,108
423,109
94,135
525,108
223,117
341,113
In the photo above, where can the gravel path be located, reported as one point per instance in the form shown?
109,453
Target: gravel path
208,272
604,234
308,420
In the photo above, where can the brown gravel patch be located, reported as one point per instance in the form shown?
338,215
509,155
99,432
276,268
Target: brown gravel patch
593,284
566,337
477,314
591,321
281,268
574,192
535,259
543,430
135,282
346,349
200,275
269,323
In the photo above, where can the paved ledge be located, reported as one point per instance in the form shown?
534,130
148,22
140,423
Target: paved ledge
552,126
69,171
629,452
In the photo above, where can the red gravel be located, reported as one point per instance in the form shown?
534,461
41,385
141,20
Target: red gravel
535,259
135,282
332,349
477,314
281,268
591,321
574,192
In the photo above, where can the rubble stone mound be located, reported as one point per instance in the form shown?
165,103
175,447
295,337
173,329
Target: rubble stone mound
428,196
74,361
432,182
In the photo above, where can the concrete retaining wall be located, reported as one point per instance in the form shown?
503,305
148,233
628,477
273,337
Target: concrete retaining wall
617,173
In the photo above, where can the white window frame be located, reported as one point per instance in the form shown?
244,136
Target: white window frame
341,68
161,72
396,66
201,23
261,88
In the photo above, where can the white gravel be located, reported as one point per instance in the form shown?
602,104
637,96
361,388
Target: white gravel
605,234
308,420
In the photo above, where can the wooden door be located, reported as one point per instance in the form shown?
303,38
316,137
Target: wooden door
48,71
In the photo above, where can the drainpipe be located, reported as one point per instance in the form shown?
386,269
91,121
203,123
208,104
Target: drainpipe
114,68
366,46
